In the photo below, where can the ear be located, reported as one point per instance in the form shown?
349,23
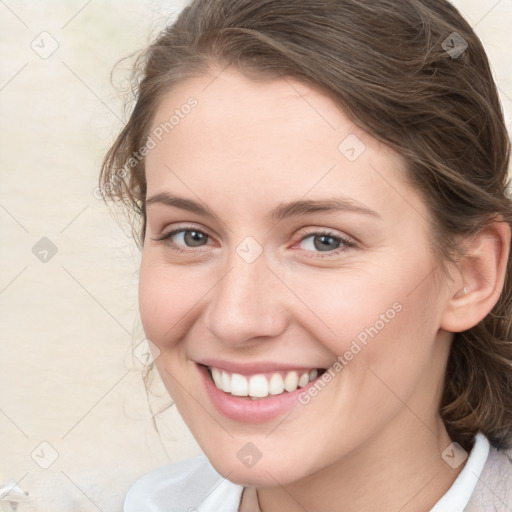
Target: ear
480,277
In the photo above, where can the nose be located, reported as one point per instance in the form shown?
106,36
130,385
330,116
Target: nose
246,303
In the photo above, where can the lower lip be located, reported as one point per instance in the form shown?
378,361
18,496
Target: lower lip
250,411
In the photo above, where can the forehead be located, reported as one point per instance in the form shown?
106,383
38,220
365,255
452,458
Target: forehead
267,141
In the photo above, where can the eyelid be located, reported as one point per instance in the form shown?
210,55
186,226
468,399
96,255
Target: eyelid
165,237
347,240
317,230
184,226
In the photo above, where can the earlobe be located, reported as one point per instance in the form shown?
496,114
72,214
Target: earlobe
480,279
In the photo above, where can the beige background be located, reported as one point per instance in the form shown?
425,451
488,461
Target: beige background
68,377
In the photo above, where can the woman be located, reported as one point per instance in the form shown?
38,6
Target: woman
325,273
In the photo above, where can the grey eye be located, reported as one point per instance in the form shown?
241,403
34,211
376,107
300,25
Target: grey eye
321,243
193,238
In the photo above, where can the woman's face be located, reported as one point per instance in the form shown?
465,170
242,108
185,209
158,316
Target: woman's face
294,245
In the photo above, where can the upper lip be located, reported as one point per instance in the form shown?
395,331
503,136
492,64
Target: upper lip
250,368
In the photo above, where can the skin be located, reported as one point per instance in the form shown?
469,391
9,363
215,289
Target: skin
373,435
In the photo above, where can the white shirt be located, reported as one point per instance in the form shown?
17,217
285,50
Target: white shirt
193,485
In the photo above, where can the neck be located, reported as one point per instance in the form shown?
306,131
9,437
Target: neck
403,473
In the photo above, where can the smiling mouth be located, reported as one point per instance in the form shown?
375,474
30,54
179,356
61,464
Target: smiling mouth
262,385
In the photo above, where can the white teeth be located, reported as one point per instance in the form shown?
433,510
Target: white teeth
258,386
239,386
226,382
276,384
304,379
291,381
217,377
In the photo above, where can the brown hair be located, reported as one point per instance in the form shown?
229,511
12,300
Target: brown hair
401,71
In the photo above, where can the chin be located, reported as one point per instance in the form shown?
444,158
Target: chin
275,470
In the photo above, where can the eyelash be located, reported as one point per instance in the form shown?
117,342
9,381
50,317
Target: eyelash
345,242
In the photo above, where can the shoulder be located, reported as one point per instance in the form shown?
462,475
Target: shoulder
182,486
494,488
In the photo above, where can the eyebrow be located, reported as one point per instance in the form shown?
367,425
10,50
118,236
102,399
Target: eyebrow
281,212
333,204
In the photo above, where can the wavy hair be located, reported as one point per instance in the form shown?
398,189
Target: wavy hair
411,73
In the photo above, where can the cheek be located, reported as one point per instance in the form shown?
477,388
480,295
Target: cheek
383,344
166,300
375,320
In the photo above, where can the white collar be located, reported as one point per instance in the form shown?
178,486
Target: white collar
220,497
459,494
